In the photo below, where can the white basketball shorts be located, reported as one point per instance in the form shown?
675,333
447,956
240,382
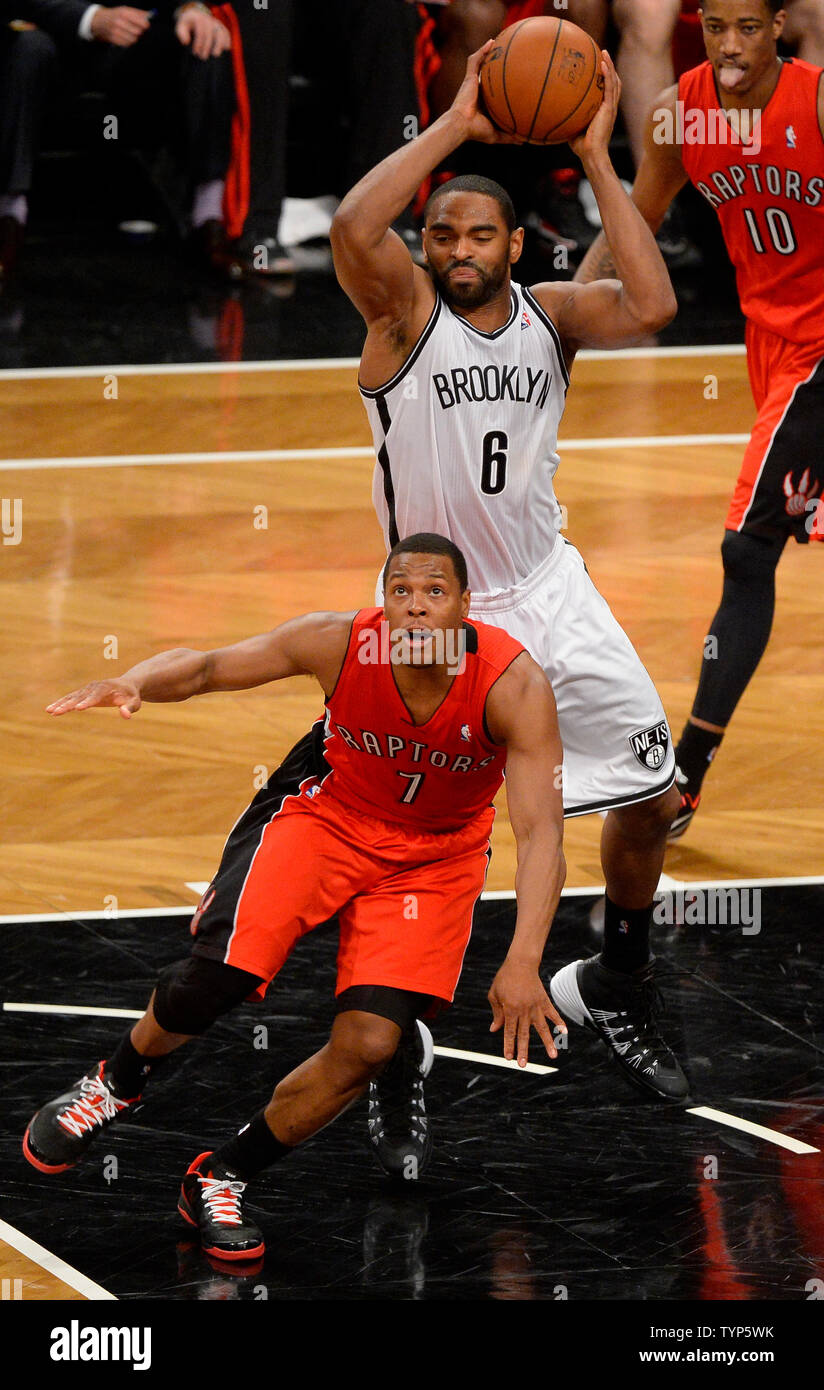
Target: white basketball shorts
616,739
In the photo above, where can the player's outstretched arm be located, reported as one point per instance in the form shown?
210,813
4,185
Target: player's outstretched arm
372,263
311,645
661,175
520,713
624,310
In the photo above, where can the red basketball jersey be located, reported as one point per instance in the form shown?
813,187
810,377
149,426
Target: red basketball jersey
433,776
768,193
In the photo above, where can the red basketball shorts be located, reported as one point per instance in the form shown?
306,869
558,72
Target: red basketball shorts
780,485
403,898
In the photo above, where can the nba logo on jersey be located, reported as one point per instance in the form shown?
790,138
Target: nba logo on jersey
465,733
526,321
790,133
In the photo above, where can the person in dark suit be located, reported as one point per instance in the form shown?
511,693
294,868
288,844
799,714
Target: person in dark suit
133,53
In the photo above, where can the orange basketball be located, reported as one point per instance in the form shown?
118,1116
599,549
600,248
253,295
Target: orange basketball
542,81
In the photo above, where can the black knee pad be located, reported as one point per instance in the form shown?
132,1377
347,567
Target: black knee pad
750,560
192,993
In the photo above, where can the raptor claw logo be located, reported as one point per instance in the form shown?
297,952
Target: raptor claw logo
797,498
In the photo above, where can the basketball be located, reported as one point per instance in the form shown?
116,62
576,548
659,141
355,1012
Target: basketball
542,81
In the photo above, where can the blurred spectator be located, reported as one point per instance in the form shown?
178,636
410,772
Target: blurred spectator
147,62
360,57
644,53
27,64
804,30
257,176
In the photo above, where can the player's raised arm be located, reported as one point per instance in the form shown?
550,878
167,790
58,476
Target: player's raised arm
520,713
372,263
661,175
314,644
612,313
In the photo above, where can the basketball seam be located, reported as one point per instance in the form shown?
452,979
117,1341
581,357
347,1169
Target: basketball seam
571,113
546,78
514,130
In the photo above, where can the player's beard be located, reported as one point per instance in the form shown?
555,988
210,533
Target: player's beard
470,294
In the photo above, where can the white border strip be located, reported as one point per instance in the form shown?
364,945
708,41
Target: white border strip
667,884
326,364
618,441
309,364
772,1136
491,1061
218,456
97,915
71,1009
53,1264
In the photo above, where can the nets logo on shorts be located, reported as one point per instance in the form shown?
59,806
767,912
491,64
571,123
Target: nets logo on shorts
650,746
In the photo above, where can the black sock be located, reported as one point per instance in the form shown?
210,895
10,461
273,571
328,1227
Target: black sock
696,749
626,937
252,1149
128,1069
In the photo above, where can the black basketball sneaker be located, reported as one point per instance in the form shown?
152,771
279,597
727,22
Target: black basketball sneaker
687,809
621,1009
62,1131
398,1124
211,1199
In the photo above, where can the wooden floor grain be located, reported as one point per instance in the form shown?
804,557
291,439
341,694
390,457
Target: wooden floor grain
115,563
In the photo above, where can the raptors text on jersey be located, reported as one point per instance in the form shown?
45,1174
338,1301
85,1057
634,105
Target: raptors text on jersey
434,776
466,437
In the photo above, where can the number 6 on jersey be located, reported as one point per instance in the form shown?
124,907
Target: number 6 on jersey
493,467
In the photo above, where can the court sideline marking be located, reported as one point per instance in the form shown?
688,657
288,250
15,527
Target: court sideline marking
328,364
772,1136
66,1273
620,441
666,883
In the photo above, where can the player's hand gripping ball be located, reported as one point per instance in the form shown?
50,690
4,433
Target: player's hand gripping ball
542,81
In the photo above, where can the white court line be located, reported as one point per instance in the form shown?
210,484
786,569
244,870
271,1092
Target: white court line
784,1141
10,1008
706,1112
218,456
46,1260
666,883
619,441
490,1061
492,895
103,915
326,364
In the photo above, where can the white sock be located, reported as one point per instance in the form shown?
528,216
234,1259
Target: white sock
207,204
14,205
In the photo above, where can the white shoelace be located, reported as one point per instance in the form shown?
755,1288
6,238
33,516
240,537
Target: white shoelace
222,1199
95,1107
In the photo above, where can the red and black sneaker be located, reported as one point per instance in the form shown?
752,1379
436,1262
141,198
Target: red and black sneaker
62,1131
687,809
210,1198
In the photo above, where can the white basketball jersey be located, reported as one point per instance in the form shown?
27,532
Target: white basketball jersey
466,437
